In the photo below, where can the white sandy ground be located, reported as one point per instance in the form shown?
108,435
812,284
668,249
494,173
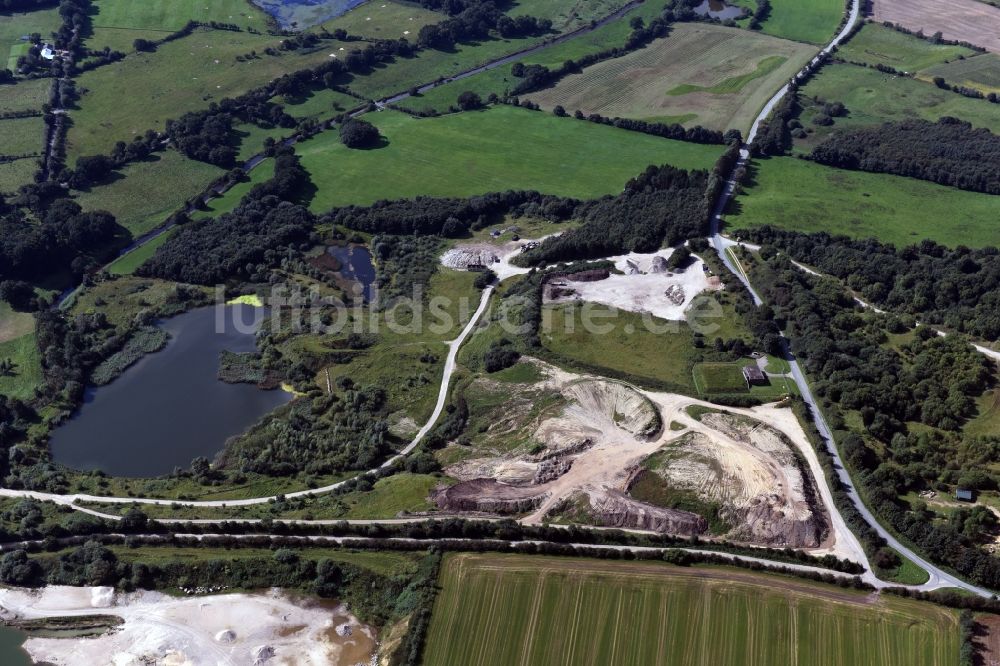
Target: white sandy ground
495,256
221,630
643,291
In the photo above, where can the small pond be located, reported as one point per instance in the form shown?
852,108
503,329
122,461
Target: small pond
170,407
355,265
718,9
301,14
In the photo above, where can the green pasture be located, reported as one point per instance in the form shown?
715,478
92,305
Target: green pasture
487,151
981,72
876,44
17,173
144,194
812,21
801,195
28,94
22,136
385,19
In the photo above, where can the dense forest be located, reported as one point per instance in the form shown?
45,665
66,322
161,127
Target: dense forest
897,410
263,229
663,206
65,237
949,152
958,288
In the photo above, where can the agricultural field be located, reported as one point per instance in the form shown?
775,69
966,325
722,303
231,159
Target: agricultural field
22,136
27,94
118,23
232,197
961,20
16,173
17,344
876,44
797,194
184,75
137,205
702,74
499,79
872,98
981,72
812,21
719,378
13,26
561,610
497,149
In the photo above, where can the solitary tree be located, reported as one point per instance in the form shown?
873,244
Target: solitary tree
469,100
355,133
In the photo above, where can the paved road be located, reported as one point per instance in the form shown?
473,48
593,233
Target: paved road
938,577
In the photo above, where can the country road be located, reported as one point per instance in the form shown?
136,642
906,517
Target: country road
938,577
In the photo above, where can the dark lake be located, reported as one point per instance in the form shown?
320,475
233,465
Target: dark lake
169,408
718,9
11,653
355,265
300,14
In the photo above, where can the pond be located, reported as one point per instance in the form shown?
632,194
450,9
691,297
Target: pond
11,652
170,407
355,265
718,9
300,14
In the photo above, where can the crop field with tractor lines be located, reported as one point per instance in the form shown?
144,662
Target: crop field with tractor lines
508,610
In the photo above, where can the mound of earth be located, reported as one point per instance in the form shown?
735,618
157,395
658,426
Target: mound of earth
616,509
749,471
490,496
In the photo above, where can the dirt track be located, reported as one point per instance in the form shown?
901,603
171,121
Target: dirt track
965,20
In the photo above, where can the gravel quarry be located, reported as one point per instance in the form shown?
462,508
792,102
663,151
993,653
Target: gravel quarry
269,629
584,455
645,285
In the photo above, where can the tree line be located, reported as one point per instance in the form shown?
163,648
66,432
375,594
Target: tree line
948,152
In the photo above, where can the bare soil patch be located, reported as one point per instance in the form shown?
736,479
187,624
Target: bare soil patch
964,20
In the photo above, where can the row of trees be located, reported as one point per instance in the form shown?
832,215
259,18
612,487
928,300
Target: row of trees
949,152
476,19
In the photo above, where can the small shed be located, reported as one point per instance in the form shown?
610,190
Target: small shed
754,376
965,495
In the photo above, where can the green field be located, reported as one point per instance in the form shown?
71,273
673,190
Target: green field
126,264
873,98
147,192
27,372
797,194
16,173
385,19
982,72
488,151
720,378
711,75
22,136
117,23
144,90
228,201
506,610
813,21
15,25
876,44
25,95
629,350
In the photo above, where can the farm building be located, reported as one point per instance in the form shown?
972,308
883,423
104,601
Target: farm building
754,376
964,495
